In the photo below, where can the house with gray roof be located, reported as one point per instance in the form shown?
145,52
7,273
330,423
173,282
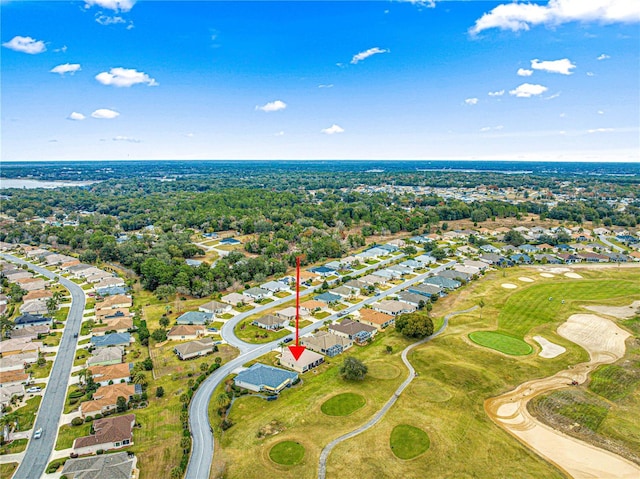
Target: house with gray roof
275,286
326,343
106,356
412,298
113,339
488,248
257,293
411,264
356,285
358,332
426,290
454,274
444,283
195,317
261,377
343,291
104,466
270,322
215,307
425,259
328,298
194,349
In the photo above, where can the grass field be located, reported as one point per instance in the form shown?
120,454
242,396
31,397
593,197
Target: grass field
501,342
26,415
615,382
343,404
408,442
287,453
253,334
14,447
67,434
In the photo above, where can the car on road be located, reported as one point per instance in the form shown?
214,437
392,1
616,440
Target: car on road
342,313
75,335
287,340
34,389
37,434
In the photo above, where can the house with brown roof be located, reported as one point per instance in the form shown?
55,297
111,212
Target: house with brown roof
326,343
15,274
40,294
311,305
17,362
307,360
114,302
119,324
36,307
376,319
108,314
9,378
107,282
186,331
31,284
194,349
215,307
109,433
393,307
31,332
105,399
115,372
235,299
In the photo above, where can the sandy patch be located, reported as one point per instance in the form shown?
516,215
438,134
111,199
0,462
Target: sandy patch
573,275
525,279
509,286
620,312
547,275
549,350
605,343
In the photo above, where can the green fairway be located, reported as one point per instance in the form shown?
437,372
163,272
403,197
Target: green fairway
408,442
500,342
343,404
287,453
615,382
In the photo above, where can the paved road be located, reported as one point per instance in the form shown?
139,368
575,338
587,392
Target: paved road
324,455
614,247
39,450
201,433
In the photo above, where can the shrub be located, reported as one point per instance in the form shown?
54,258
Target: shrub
77,421
100,451
88,419
159,391
98,416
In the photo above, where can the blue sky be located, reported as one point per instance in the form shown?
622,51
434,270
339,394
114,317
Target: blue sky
119,79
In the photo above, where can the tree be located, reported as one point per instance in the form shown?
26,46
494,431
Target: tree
52,306
514,238
204,367
222,399
481,305
352,369
159,391
389,349
164,321
140,378
121,404
159,335
415,325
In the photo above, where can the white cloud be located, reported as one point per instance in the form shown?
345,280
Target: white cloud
75,116
276,105
62,49
471,101
280,133
601,130
125,138
333,129
366,54
551,97
527,90
25,45
485,128
330,85
523,72
489,128
189,135
107,20
66,68
105,114
590,74
563,66
603,56
600,112
115,5
521,16
496,93
124,77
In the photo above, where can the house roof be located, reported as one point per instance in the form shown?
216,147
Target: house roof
324,340
262,375
112,339
23,344
289,312
340,290
328,297
270,320
111,372
107,396
307,357
31,331
192,347
408,297
351,327
110,290
12,376
117,300
375,317
186,330
105,355
195,317
104,466
235,298
393,306
312,304
37,294
114,324
356,283
108,430
31,319
256,291
213,306
427,288
114,313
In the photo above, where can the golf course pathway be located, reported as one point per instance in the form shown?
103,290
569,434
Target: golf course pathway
324,455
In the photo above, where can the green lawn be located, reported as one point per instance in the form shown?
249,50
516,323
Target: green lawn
408,442
253,334
40,372
343,404
321,314
225,316
500,342
287,453
14,447
26,415
81,357
67,434
244,309
52,339
615,382
61,314
7,469
282,294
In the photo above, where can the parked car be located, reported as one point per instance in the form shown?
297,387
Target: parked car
37,434
35,389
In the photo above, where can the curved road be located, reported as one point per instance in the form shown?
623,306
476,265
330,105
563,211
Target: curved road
202,447
38,451
613,247
324,455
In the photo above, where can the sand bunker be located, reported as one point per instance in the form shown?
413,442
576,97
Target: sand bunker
620,312
605,343
525,279
549,350
547,275
573,275
508,286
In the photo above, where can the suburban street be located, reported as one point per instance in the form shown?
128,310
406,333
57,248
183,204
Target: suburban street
38,452
614,247
203,447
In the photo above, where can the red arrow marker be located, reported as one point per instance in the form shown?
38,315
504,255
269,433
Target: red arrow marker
297,350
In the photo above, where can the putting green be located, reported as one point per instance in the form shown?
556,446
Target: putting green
287,453
408,442
382,369
343,404
500,342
